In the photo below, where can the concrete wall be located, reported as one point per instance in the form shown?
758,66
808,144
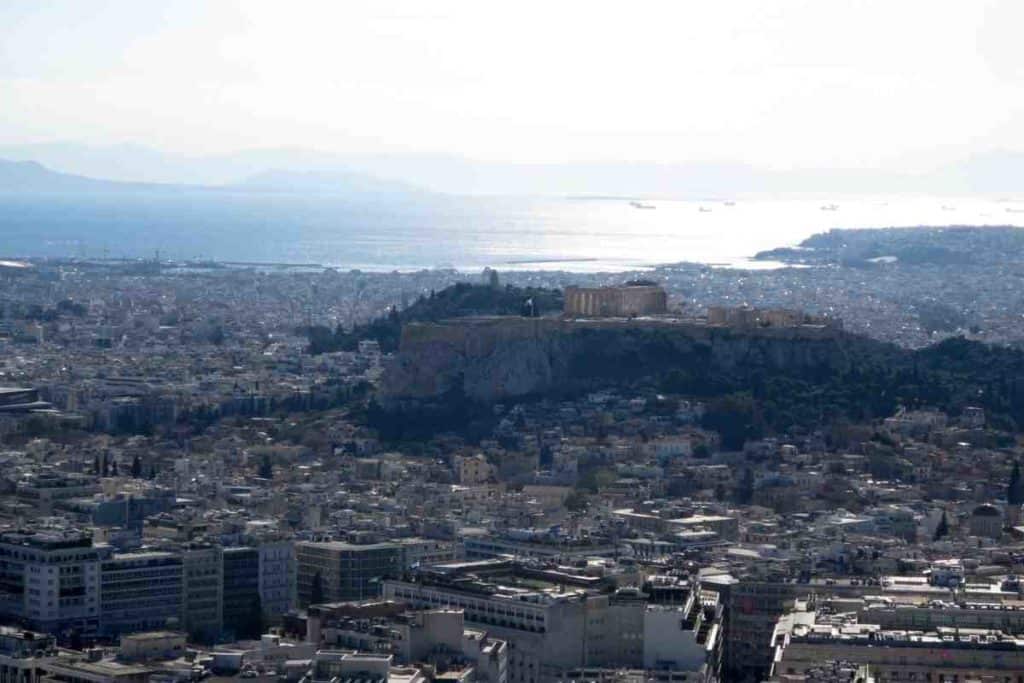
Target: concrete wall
666,642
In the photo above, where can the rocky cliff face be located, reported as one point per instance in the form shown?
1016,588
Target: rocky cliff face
493,359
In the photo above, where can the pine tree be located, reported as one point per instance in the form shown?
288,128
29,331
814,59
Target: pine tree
137,467
266,470
942,530
744,491
96,465
106,466
1015,490
113,469
720,492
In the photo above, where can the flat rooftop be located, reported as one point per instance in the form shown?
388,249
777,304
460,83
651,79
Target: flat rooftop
344,545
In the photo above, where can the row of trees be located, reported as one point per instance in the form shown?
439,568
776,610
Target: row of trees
107,467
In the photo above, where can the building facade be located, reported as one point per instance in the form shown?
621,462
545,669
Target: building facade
553,628
202,608
277,578
50,580
343,571
243,610
140,592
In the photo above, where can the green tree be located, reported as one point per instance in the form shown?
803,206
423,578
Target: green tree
744,491
137,467
942,530
266,470
734,418
576,501
720,493
596,479
1015,489
216,335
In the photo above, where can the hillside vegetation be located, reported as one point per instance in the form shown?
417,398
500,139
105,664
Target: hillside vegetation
459,300
752,389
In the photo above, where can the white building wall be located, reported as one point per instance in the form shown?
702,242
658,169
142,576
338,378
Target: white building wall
277,577
667,643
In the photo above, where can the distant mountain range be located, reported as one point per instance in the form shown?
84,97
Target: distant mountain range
326,182
33,178
302,170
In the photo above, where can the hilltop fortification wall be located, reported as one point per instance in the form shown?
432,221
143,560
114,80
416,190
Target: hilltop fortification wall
493,359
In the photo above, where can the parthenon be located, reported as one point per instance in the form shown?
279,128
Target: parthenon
615,302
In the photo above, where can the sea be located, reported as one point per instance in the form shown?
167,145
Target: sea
581,234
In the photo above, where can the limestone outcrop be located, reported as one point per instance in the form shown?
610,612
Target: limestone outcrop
493,359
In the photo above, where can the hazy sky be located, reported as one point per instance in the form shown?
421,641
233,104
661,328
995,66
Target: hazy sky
790,83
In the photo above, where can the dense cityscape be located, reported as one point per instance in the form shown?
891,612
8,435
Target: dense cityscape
193,490
511,342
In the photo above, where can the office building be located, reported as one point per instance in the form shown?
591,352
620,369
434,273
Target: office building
50,580
202,612
336,571
243,610
140,591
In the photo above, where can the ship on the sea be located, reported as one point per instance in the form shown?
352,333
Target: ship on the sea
641,205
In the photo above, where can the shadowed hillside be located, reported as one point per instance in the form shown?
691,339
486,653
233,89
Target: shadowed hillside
459,300
756,381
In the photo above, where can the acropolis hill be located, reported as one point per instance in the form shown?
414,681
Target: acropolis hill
494,358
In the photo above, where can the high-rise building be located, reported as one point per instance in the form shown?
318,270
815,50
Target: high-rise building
242,606
50,580
202,609
277,578
140,591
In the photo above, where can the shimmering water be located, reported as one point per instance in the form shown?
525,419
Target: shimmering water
463,232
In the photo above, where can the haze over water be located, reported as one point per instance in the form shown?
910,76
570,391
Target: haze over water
462,232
